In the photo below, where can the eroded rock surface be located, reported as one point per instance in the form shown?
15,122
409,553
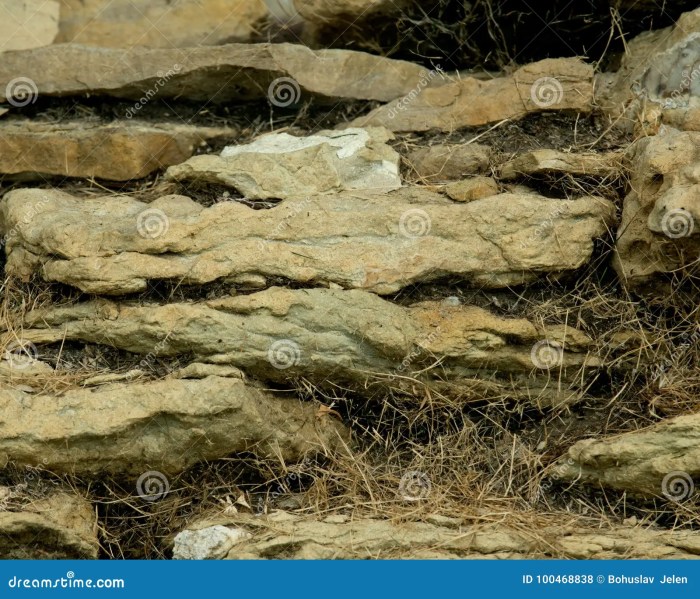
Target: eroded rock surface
357,240
606,165
447,162
28,24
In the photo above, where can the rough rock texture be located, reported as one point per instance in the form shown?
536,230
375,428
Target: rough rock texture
660,228
282,535
60,526
472,189
216,73
27,24
279,165
118,151
158,23
552,84
165,426
341,336
325,11
607,165
445,162
213,542
357,240
660,460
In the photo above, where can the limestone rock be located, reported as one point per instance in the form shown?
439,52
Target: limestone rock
58,526
163,426
661,460
118,152
606,165
551,84
472,189
660,228
28,24
325,11
159,23
279,165
444,162
279,72
356,240
213,542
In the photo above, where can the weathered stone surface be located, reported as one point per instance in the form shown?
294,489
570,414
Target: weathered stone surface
215,73
340,336
607,165
660,460
213,542
282,535
118,152
279,165
660,228
59,526
445,162
27,24
159,23
472,189
357,240
325,11
552,84
165,426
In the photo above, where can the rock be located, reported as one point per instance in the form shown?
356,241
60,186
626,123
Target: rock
660,460
58,526
28,24
659,235
472,189
606,165
551,84
113,377
197,370
118,152
281,535
324,12
218,74
164,426
213,542
158,23
279,165
348,337
375,242
445,162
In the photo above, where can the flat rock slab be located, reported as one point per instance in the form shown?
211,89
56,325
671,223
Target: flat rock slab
117,152
552,84
283,166
28,24
214,74
605,165
448,162
380,243
164,426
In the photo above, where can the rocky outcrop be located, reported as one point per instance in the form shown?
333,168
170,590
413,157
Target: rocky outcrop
164,426
28,24
58,526
659,235
282,535
357,240
279,72
552,84
279,165
118,152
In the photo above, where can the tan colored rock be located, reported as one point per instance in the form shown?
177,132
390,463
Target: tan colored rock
660,229
661,460
607,165
355,239
444,162
342,336
27,24
472,189
551,84
282,535
215,73
159,23
279,165
165,426
118,152
58,526
324,12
